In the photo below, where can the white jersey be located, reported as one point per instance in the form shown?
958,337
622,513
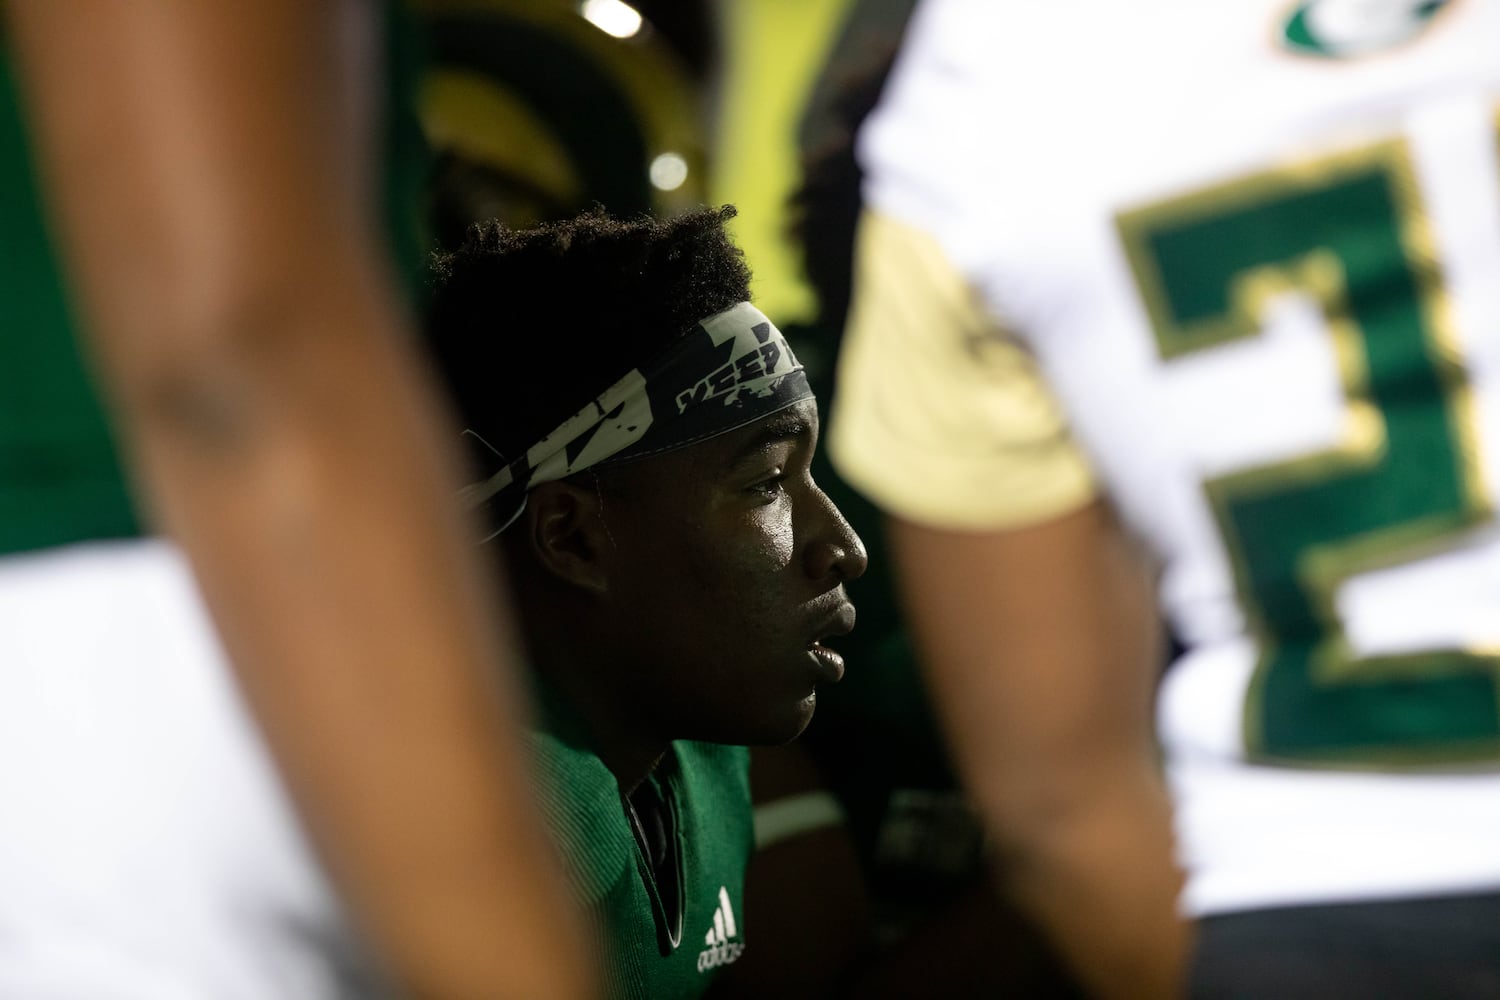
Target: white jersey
1254,248
147,850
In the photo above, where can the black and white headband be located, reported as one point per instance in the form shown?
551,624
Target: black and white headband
734,368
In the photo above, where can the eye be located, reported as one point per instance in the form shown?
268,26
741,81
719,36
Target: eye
769,487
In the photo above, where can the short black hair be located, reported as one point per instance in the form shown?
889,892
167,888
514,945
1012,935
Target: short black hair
529,325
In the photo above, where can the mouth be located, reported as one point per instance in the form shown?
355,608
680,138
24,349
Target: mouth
828,663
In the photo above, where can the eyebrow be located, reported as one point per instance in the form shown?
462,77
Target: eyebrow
782,428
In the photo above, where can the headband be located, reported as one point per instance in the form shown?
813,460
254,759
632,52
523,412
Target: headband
730,370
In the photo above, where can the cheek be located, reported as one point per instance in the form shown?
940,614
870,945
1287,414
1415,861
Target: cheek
778,544
750,556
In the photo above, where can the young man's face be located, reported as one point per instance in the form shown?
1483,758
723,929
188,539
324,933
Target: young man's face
732,568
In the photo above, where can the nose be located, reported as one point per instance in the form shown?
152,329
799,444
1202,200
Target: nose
834,549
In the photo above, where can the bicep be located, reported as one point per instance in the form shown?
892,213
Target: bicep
1040,645
1031,610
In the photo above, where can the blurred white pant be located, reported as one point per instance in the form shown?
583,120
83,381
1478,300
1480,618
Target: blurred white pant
146,849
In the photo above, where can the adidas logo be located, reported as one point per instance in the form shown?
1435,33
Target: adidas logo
720,950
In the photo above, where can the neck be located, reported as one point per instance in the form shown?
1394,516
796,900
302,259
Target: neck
632,767
565,653
614,733
630,756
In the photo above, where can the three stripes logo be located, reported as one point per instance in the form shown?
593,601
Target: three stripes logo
721,948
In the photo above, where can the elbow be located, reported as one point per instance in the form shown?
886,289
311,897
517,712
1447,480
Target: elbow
201,377
213,374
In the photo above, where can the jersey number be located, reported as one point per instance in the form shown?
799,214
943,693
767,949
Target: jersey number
1402,482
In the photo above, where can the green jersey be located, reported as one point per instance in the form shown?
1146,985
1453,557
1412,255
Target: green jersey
60,474
661,938
60,480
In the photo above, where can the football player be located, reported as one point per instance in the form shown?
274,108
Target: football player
1190,307
646,438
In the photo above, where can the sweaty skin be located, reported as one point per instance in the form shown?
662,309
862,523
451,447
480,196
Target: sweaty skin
711,573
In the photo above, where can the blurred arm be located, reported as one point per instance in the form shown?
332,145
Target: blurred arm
1032,614
1040,645
211,177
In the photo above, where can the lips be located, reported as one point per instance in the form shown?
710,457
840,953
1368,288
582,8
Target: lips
839,621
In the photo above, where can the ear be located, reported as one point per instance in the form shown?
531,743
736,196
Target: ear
567,535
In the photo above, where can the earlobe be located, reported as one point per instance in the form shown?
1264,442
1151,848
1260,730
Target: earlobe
567,535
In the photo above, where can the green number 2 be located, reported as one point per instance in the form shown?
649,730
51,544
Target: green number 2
1401,484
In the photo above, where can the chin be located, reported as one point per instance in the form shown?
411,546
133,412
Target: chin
790,726
780,723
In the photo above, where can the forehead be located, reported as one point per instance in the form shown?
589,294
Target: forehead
797,424
719,457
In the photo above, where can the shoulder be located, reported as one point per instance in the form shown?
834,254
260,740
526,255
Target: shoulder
942,416
718,756
580,802
713,794
715,769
